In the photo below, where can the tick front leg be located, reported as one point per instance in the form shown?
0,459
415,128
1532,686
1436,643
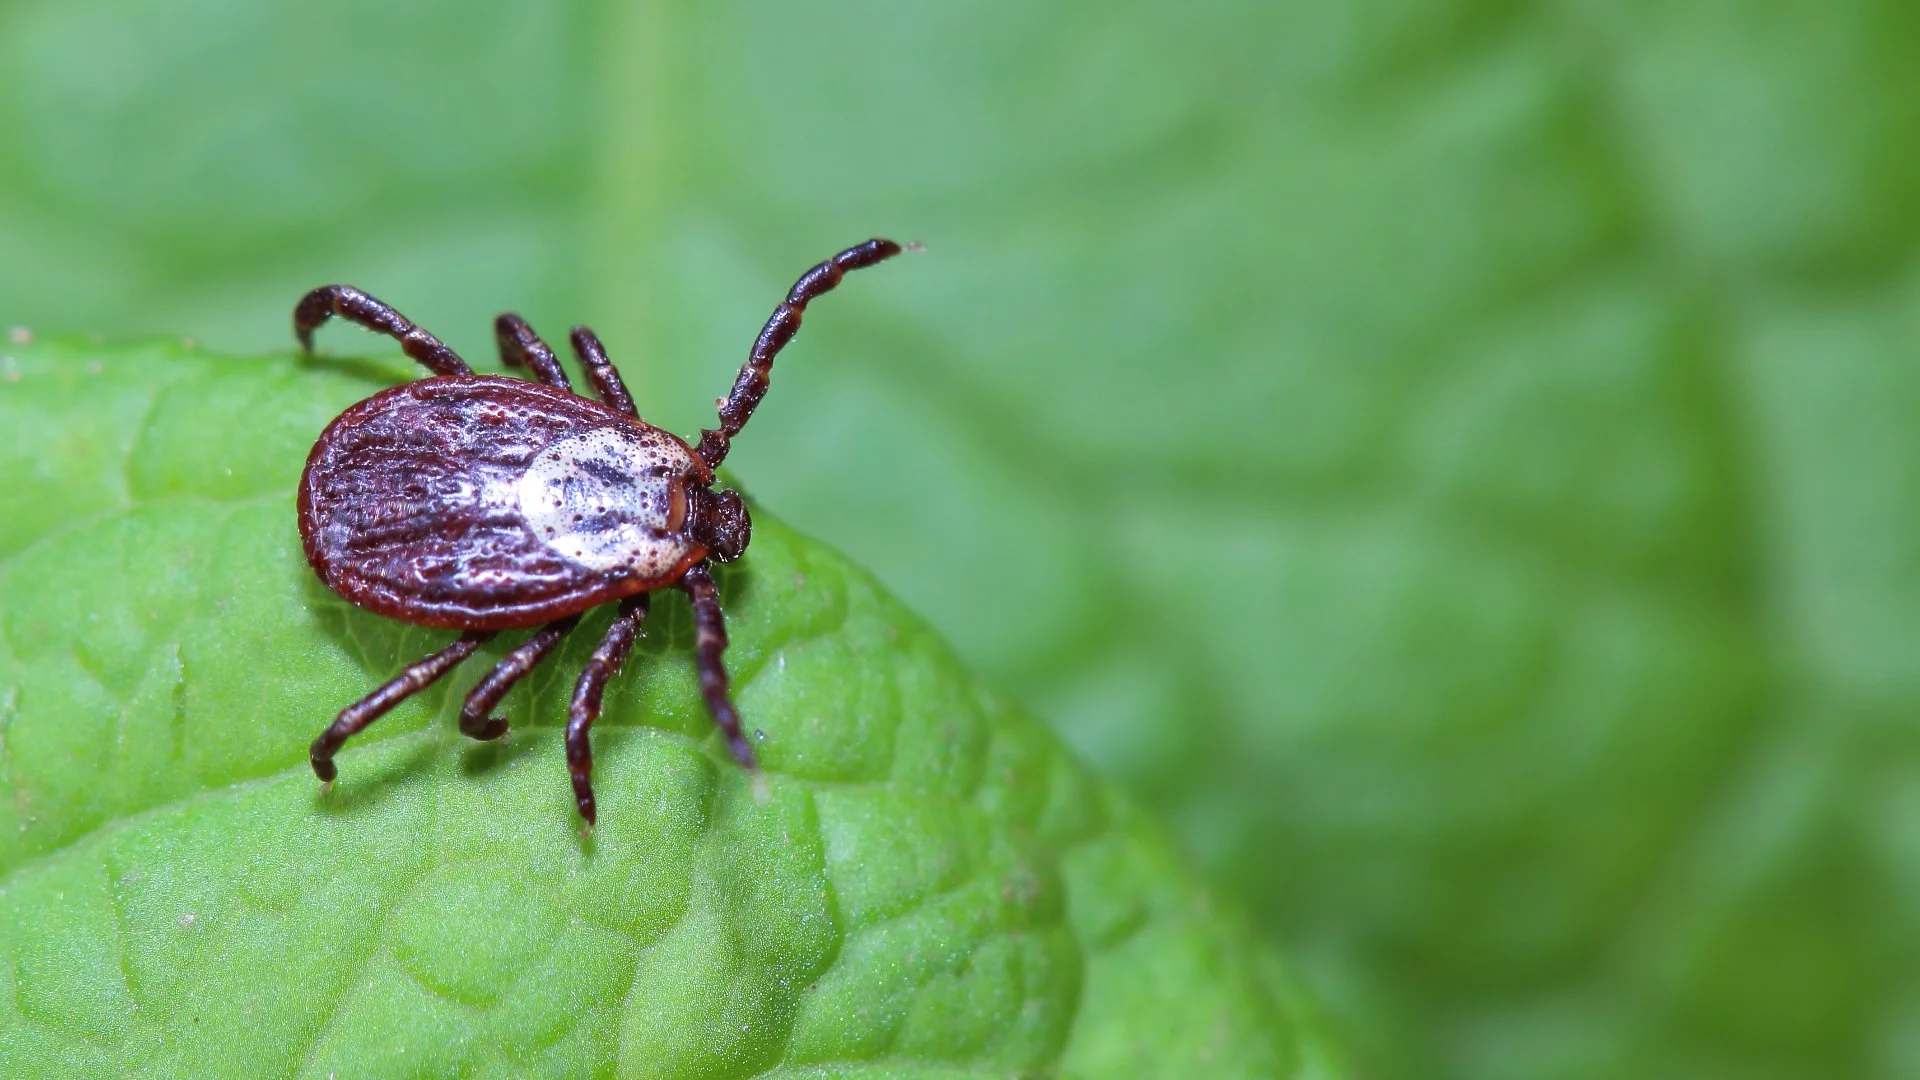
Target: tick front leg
710,644
355,306
601,372
521,347
601,666
416,678
751,384
475,719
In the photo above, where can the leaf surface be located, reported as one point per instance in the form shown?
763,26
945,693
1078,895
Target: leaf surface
1452,459
927,886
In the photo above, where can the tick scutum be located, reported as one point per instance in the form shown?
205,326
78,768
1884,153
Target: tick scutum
485,503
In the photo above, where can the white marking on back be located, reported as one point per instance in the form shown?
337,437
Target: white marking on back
604,499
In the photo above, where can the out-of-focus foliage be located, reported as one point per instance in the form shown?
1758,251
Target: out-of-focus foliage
1456,459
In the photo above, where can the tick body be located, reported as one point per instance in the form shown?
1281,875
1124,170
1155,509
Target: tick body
487,504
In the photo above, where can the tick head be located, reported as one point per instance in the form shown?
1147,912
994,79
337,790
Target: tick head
721,523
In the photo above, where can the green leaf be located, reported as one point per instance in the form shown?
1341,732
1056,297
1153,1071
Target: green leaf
926,885
1452,459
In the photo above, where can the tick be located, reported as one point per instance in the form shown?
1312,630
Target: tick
485,503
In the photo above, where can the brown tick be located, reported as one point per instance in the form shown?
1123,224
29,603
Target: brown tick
486,503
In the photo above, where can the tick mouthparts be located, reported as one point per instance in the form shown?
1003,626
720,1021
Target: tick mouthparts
721,523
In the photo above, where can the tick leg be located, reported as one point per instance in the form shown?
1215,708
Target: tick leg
475,721
355,306
416,678
751,385
521,347
601,666
601,372
709,643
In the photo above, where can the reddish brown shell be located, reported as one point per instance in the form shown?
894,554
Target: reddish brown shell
482,502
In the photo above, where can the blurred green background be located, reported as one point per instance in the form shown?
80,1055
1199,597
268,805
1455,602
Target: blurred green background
1457,460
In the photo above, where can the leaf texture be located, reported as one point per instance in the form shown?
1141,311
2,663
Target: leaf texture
926,886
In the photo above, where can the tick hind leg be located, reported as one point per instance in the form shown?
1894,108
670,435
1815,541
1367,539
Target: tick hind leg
521,347
355,717
476,721
710,644
355,306
601,372
601,666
